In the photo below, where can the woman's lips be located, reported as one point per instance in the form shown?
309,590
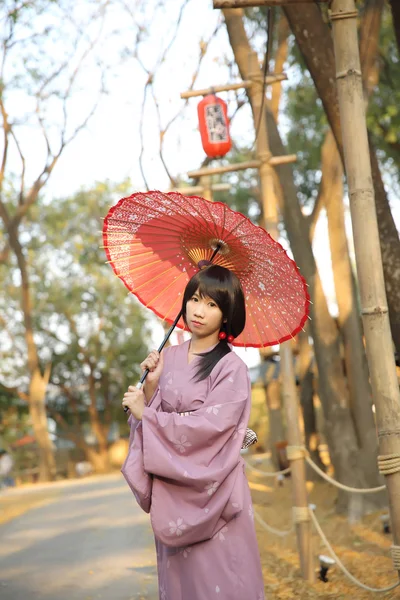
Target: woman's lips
197,324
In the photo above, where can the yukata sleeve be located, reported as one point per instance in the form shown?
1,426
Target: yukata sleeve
196,460
137,478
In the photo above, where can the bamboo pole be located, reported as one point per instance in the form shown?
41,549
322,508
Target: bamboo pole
250,164
248,3
270,212
368,254
205,182
199,189
232,86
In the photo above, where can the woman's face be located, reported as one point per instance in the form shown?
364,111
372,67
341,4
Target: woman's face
203,315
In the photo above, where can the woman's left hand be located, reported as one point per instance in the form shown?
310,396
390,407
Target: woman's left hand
134,399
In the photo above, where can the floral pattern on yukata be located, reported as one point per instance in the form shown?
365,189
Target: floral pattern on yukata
182,445
211,487
187,471
178,527
213,409
220,534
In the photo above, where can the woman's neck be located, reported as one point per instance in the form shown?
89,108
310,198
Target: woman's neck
198,344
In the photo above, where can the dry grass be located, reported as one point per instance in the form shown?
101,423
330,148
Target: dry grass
363,547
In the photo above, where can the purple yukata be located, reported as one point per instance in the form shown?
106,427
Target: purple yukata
184,467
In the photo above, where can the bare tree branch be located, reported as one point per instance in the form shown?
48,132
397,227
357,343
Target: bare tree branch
6,133
22,157
151,76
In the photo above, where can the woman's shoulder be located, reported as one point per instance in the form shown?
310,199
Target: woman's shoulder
174,350
231,363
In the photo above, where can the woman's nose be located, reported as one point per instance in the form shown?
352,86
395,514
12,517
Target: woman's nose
199,310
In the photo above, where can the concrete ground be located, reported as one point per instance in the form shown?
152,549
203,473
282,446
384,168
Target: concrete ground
90,542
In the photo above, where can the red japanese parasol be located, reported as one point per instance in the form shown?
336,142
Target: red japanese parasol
155,243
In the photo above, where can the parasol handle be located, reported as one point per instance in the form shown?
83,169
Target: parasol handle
139,385
165,340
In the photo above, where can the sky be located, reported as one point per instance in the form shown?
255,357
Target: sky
110,145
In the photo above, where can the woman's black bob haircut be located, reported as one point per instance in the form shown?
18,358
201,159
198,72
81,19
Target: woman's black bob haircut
222,286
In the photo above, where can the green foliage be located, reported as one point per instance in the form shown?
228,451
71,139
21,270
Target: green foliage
84,318
303,123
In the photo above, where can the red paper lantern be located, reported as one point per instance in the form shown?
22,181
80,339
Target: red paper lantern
214,126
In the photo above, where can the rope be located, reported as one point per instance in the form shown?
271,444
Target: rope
296,452
349,14
301,514
395,552
346,488
279,532
389,463
341,565
266,473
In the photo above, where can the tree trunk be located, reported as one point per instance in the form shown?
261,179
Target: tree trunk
349,320
390,245
37,381
276,432
37,411
273,389
314,39
333,391
280,59
100,459
396,20
306,376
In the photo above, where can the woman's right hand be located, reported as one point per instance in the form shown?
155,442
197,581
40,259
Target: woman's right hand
154,363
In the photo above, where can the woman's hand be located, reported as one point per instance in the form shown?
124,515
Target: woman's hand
134,399
154,363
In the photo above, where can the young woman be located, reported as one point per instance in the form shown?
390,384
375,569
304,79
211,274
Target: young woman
184,464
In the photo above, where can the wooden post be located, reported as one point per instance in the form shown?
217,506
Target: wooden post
379,345
199,189
270,210
205,182
247,3
274,78
249,164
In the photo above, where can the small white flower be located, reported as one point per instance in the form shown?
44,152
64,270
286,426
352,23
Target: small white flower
182,444
177,527
186,474
206,510
163,593
217,589
261,286
251,512
214,409
186,551
235,505
230,379
220,534
211,487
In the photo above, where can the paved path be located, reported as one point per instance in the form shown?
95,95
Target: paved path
92,542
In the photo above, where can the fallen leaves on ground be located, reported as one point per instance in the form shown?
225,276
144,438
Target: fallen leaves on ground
362,547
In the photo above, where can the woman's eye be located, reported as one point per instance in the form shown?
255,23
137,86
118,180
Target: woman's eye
212,304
